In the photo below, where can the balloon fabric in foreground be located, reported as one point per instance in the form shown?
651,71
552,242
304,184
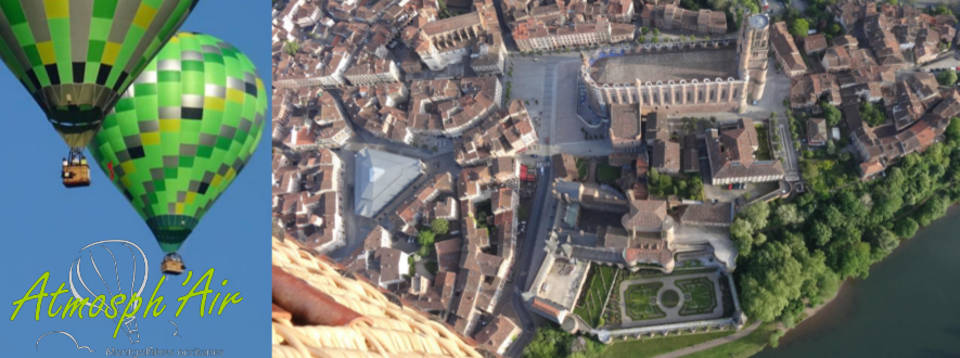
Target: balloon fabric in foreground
182,132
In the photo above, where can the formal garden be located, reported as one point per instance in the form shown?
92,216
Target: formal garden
699,296
641,301
594,294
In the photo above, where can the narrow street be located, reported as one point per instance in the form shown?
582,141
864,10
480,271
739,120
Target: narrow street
787,151
531,251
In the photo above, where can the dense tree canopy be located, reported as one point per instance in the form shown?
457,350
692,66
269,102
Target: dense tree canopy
685,187
795,253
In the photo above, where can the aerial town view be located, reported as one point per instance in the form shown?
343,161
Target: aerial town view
607,178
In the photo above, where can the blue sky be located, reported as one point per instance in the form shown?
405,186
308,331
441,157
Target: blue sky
45,225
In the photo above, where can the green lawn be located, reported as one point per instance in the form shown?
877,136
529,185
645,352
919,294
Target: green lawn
744,347
649,347
607,173
763,142
641,301
598,285
699,296
689,264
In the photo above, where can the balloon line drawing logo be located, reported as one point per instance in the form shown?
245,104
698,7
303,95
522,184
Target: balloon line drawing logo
72,338
176,329
116,278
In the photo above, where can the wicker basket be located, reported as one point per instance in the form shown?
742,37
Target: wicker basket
386,330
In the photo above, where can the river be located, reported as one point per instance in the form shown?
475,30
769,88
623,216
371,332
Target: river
909,306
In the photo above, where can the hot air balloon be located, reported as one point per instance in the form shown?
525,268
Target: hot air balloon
180,135
77,56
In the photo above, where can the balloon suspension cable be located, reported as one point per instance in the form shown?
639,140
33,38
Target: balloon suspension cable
75,155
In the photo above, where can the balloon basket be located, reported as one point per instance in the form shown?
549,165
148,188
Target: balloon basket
75,174
172,264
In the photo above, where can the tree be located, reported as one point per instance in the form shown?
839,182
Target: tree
884,241
947,78
886,203
440,226
834,217
855,260
906,228
942,9
742,234
820,233
757,214
770,282
873,115
291,47
932,210
426,238
695,188
799,27
787,214
831,114
775,338
549,342
834,30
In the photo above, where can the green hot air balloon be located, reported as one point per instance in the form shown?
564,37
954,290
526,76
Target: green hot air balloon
182,132
77,56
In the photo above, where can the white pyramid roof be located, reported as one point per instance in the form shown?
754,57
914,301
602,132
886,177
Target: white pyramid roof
379,177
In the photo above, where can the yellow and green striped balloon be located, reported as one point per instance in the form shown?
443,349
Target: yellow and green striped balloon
76,56
182,132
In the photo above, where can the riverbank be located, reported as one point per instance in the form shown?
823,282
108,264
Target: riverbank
843,300
838,308
837,304
905,307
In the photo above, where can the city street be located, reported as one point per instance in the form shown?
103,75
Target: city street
530,250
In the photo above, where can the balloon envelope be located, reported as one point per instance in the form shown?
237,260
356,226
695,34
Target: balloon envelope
182,132
76,56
